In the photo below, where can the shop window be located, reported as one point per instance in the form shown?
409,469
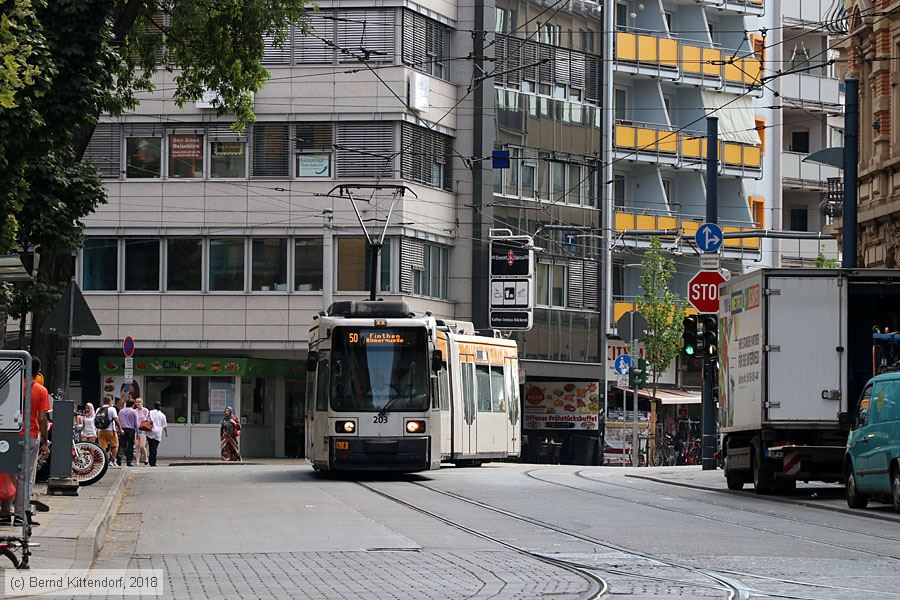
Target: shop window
142,265
209,397
184,264
226,265
143,157
254,405
185,155
308,264
269,262
100,262
228,159
171,393
483,380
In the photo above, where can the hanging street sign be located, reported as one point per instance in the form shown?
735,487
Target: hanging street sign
709,237
703,291
623,364
511,289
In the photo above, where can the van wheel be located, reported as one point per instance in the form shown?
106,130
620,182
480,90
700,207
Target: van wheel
855,498
734,481
895,486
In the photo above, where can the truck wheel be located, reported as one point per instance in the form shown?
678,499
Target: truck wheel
762,477
735,482
895,486
855,498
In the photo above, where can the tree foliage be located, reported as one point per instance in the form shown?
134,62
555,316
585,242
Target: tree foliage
95,57
824,262
663,309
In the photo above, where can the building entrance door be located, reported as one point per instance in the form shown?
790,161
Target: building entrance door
294,421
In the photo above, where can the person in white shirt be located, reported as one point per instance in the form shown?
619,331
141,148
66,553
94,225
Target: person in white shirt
88,429
160,426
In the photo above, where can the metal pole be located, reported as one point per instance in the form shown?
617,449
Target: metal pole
708,439
69,329
327,258
635,461
851,171
712,170
604,186
26,464
374,251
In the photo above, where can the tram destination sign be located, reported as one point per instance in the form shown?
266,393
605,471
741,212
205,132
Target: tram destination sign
511,257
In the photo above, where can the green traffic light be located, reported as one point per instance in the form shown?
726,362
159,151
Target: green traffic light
689,350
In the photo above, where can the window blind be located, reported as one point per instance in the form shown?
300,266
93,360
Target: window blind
365,149
270,156
104,150
366,35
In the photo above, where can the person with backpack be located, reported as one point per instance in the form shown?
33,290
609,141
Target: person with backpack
108,429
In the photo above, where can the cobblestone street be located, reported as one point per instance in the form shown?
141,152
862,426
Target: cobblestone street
503,531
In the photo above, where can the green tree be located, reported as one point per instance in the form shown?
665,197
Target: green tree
664,311
94,58
19,39
823,262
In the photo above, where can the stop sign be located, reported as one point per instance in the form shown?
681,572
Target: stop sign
703,291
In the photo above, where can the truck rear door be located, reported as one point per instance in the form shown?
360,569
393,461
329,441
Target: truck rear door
805,326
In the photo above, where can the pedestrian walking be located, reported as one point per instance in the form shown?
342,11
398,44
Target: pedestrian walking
119,405
229,434
37,444
88,427
140,441
155,435
108,428
128,419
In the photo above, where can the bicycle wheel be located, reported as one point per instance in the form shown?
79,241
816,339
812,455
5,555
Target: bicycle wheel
11,556
89,464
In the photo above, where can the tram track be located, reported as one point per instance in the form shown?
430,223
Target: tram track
681,511
732,588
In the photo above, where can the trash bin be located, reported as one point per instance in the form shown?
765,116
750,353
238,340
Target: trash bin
584,450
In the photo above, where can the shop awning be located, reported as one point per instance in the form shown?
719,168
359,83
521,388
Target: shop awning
666,396
736,117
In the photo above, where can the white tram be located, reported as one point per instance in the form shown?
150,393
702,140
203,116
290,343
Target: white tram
389,390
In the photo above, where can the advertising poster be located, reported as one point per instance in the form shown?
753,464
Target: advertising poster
617,436
115,386
562,405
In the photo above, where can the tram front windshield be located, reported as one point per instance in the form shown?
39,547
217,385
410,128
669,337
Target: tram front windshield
378,369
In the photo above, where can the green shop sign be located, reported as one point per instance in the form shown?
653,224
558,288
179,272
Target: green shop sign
202,365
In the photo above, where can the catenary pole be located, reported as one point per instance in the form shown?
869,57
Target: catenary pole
851,171
708,447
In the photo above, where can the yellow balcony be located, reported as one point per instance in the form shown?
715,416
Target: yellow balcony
622,307
625,221
647,49
651,139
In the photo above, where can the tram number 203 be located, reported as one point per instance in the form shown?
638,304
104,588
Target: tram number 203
380,419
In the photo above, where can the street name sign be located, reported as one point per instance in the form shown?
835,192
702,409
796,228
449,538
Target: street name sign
709,237
703,291
710,262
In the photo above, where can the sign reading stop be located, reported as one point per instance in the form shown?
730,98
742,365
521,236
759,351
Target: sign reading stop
703,291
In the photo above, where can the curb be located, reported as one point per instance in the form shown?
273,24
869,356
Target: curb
782,499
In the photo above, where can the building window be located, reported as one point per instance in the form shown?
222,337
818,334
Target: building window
799,219
422,151
758,211
351,264
226,265
202,389
621,15
255,410
558,181
574,187
619,190
618,279
143,157
228,159
313,144
550,286
308,264
100,264
141,265
528,170
620,104
171,393
431,277
184,264
269,264
270,150
185,155
800,141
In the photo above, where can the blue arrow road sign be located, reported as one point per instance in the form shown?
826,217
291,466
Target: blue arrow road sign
709,237
623,364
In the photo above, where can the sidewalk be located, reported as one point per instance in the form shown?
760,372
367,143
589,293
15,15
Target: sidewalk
72,533
823,496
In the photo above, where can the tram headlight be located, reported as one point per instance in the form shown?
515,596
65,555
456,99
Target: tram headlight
345,426
415,426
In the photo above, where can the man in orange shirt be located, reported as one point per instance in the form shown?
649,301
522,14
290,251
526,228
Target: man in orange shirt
37,442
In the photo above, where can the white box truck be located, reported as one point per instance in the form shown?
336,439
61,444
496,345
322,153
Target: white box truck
795,350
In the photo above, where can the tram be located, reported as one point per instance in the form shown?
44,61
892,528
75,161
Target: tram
392,391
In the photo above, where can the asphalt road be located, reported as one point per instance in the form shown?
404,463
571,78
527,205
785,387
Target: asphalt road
500,531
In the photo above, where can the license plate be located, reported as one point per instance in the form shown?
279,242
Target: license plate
776,454
342,445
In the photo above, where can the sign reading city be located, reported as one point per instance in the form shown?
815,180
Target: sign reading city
511,289
703,291
709,237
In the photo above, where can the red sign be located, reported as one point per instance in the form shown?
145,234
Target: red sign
128,346
703,291
186,146
510,257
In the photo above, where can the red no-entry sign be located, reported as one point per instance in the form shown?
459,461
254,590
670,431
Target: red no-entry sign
703,291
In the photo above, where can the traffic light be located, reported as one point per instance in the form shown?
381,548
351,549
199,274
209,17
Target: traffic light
643,372
711,334
690,336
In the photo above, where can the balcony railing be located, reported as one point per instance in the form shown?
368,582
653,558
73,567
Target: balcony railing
688,148
757,7
621,305
811,89
813,12
625,221
808,175
679,59
803,252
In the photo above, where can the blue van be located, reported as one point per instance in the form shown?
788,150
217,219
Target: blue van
872,461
